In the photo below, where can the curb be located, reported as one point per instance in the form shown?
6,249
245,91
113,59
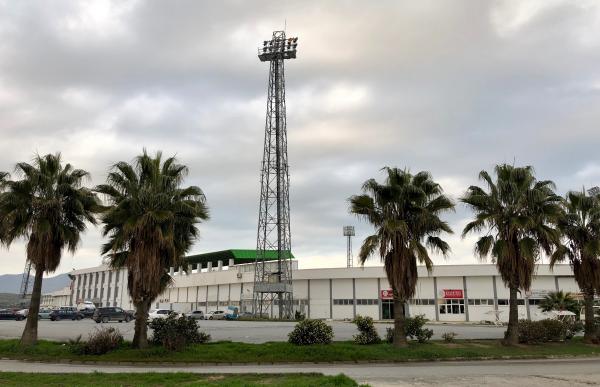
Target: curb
345,362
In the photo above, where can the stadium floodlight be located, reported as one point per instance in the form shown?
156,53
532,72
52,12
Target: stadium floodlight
279,47
349,233
594,191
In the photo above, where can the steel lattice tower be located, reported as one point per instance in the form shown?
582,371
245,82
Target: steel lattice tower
273,278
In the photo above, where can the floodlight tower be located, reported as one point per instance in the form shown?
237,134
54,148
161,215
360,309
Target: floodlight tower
273,283
349,233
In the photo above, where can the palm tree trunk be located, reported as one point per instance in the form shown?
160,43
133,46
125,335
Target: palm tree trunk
512,332
30,333
589,335
140,336
399,331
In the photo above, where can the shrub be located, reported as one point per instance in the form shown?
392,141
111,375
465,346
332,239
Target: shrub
299,316
101,341
542,331
175,333
413,327
308,332
368,334
449,337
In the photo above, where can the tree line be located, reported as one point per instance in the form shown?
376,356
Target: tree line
517,218
150,220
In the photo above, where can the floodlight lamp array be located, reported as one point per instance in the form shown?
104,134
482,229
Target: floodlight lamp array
278,48
349,231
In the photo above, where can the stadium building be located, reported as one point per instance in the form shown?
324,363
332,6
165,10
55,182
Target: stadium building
225,278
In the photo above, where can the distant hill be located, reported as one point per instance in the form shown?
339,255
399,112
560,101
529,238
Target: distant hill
10,283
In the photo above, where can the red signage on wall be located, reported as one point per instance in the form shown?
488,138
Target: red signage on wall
453,293
386,294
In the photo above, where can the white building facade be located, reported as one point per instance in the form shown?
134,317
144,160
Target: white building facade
470,293
61,297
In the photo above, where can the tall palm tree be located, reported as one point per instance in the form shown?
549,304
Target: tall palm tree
48,207
559,301
516,214
150,221
405,212
580,227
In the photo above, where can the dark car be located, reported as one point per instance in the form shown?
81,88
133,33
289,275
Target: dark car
65,314
7,314
111,313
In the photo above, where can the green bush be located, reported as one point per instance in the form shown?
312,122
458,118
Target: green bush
368,334
308,332
542,331
413,327
176,333
299,316
101,341
449,337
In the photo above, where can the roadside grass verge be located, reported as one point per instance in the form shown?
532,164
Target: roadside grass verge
282,352
174,379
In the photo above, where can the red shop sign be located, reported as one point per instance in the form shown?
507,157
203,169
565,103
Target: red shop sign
386,294
453,293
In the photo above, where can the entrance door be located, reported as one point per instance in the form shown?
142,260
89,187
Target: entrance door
387,309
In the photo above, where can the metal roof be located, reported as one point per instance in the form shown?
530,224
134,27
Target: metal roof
239,256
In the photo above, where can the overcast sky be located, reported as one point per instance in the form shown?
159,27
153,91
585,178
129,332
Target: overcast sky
445,86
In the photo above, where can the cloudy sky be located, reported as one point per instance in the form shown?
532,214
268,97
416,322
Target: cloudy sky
448,87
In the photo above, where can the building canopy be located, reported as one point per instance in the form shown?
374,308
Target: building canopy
239,257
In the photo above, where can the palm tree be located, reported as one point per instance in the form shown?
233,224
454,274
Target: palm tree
48,207
580,227
405,213
150,222
516,213
559,301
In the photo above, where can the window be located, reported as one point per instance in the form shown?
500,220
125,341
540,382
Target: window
502,301
452,306
422,301
478,301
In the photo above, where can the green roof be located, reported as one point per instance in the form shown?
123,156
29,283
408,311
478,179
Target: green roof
239,256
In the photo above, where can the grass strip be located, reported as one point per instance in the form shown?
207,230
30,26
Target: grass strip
173,379
281,352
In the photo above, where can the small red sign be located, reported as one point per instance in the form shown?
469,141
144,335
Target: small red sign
386,294
453,293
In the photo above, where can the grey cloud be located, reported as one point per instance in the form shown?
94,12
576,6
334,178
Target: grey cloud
448,87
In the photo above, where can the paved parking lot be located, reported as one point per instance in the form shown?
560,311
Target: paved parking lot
243,331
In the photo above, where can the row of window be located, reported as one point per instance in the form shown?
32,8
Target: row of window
359,301
422,301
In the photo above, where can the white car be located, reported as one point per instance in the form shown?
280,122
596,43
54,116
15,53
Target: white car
160,313
215,315
195,314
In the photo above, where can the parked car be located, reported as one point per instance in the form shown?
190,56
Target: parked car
111,313
215,315
66,314
7,314
159,313
44,313
23,312
196,314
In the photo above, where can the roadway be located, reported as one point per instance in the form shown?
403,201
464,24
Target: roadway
535,373
241,331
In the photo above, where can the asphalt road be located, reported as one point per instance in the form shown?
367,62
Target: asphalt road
242,331
536,373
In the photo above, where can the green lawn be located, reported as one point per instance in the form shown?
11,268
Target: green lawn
274,352
174,379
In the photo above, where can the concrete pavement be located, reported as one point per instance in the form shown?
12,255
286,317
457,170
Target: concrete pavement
241,331
546,373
